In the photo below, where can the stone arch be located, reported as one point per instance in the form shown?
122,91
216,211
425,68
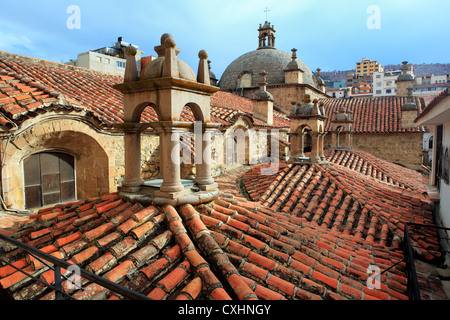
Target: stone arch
146,112
196,111
49,177
238,144
304,128
95,164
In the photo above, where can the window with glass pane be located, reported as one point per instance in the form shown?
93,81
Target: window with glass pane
49,179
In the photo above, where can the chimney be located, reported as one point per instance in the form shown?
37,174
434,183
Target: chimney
263,101
409,111
146,60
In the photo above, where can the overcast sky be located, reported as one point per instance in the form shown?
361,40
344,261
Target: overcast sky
330,34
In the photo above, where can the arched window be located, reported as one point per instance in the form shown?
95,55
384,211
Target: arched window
49,178
245,80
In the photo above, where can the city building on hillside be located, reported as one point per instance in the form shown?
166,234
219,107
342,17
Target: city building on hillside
336,84
393,83
107,59
430,85
338,92
367,67
384,83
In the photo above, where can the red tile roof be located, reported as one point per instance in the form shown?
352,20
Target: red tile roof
227,106
373,115
28,84
229,250
356,194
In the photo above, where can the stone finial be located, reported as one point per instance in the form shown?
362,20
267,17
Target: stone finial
404,68
322,108
294,53
170,56
203,68
131,72
262,80
315,110
293,107
410,91
307,98
318,72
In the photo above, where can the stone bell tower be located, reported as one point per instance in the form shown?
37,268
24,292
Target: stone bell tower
167,84
307,118
266,36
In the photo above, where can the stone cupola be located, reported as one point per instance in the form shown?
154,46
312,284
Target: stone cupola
266,36
307,118
167,84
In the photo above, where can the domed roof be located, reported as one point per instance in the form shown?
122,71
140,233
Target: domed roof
154,69
272,60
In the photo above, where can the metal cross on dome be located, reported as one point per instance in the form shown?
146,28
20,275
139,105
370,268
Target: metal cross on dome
266,11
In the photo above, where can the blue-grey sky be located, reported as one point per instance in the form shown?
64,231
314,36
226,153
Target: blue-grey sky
330,34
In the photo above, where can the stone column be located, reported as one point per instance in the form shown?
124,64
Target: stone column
321,144
203,175
334,140
348,139
315,156
297,145
132,145
169,152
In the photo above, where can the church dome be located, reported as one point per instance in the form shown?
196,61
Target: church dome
244,71
272,60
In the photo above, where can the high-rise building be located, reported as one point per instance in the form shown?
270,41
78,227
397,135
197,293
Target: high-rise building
367,67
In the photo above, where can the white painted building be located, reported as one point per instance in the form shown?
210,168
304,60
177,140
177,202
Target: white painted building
437,115
107,59
430,85
384,83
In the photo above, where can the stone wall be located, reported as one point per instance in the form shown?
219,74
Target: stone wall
99,155
95,162
401,148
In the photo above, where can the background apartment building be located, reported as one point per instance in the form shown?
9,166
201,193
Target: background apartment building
430,85
367,67
384,83
107,59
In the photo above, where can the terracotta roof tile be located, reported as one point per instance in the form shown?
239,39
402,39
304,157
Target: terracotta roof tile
374,114
28,84
236,248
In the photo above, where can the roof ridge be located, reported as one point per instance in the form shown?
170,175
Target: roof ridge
8,55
